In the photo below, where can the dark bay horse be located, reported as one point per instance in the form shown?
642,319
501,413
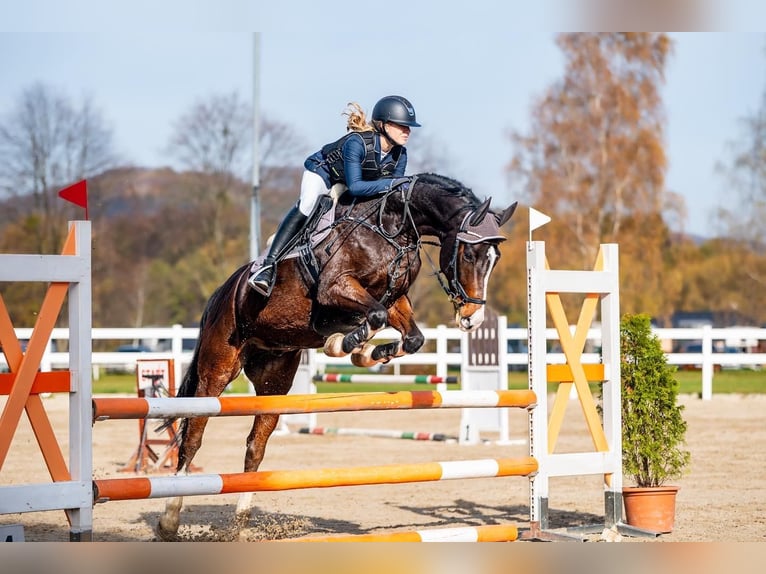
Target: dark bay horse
352,284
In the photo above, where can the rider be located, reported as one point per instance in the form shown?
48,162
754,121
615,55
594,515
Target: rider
369,159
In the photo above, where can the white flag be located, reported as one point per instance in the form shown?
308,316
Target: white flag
537,219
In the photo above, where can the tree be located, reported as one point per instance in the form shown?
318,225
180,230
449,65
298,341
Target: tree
215,138
425,154
47,142
594,159
744,221
746,175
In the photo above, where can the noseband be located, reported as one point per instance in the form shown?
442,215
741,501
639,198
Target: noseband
484,232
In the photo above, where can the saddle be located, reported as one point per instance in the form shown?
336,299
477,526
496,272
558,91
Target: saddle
317,227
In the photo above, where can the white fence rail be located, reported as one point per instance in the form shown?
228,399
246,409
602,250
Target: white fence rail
177,342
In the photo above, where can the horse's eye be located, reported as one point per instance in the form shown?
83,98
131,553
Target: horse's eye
468,255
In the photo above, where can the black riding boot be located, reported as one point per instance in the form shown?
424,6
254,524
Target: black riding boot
263,279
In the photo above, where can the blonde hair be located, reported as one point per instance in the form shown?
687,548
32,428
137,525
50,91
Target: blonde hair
357,120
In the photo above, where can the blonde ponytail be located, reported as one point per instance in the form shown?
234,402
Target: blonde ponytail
357,120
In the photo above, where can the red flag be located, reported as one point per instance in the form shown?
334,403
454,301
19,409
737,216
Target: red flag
77,194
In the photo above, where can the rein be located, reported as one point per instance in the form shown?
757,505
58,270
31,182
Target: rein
453,289
395,270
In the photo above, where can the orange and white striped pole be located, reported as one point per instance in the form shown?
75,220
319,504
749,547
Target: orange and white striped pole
488,533
184,407
139,488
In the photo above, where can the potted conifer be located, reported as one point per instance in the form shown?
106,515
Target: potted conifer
653,427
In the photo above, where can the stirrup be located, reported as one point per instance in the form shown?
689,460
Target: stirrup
264,287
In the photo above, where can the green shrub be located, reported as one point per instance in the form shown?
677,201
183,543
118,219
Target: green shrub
653,427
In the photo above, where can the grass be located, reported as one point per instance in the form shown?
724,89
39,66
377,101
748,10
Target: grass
743,381
126,384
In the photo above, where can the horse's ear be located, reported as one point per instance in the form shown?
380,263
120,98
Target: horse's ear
502,218
480,213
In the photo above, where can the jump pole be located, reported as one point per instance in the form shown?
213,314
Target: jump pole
381,433
184,407
140,488
489,533
482,368
385,379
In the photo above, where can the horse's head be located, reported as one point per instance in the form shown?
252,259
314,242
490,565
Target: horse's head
467,259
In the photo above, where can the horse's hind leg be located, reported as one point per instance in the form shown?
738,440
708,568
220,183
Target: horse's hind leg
212,381
271,374
263,426
167,527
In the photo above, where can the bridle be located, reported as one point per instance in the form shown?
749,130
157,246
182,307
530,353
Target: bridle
468,234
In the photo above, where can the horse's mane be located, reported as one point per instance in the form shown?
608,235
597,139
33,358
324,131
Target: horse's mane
444,185
450,186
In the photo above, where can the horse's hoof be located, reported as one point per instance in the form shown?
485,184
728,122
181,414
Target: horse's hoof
364,358
166,533
167,526
333,346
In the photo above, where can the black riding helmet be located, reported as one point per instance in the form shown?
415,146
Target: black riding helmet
395,109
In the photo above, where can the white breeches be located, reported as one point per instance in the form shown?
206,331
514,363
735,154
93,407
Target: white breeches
312,187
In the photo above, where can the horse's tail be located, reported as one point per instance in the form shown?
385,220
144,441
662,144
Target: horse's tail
214,305
190,381
188,386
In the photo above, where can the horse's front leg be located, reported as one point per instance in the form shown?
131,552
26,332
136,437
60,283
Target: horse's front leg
401,318
346,293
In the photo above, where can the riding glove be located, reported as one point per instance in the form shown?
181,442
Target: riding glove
401,182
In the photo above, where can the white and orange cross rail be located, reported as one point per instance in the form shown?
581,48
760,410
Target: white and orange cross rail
68,274
25,382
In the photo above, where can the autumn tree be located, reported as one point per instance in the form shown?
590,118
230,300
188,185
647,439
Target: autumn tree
594,161
150,260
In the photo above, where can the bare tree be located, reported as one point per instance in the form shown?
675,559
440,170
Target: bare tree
746,177
214,138
47,142
281,145
743,219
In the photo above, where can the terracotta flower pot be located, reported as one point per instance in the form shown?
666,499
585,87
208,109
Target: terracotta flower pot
652,508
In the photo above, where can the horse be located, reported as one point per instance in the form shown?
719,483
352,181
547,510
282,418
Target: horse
344,286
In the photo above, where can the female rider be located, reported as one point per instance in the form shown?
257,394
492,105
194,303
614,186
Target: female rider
369,159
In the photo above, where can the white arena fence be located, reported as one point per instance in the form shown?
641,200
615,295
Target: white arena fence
177,343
